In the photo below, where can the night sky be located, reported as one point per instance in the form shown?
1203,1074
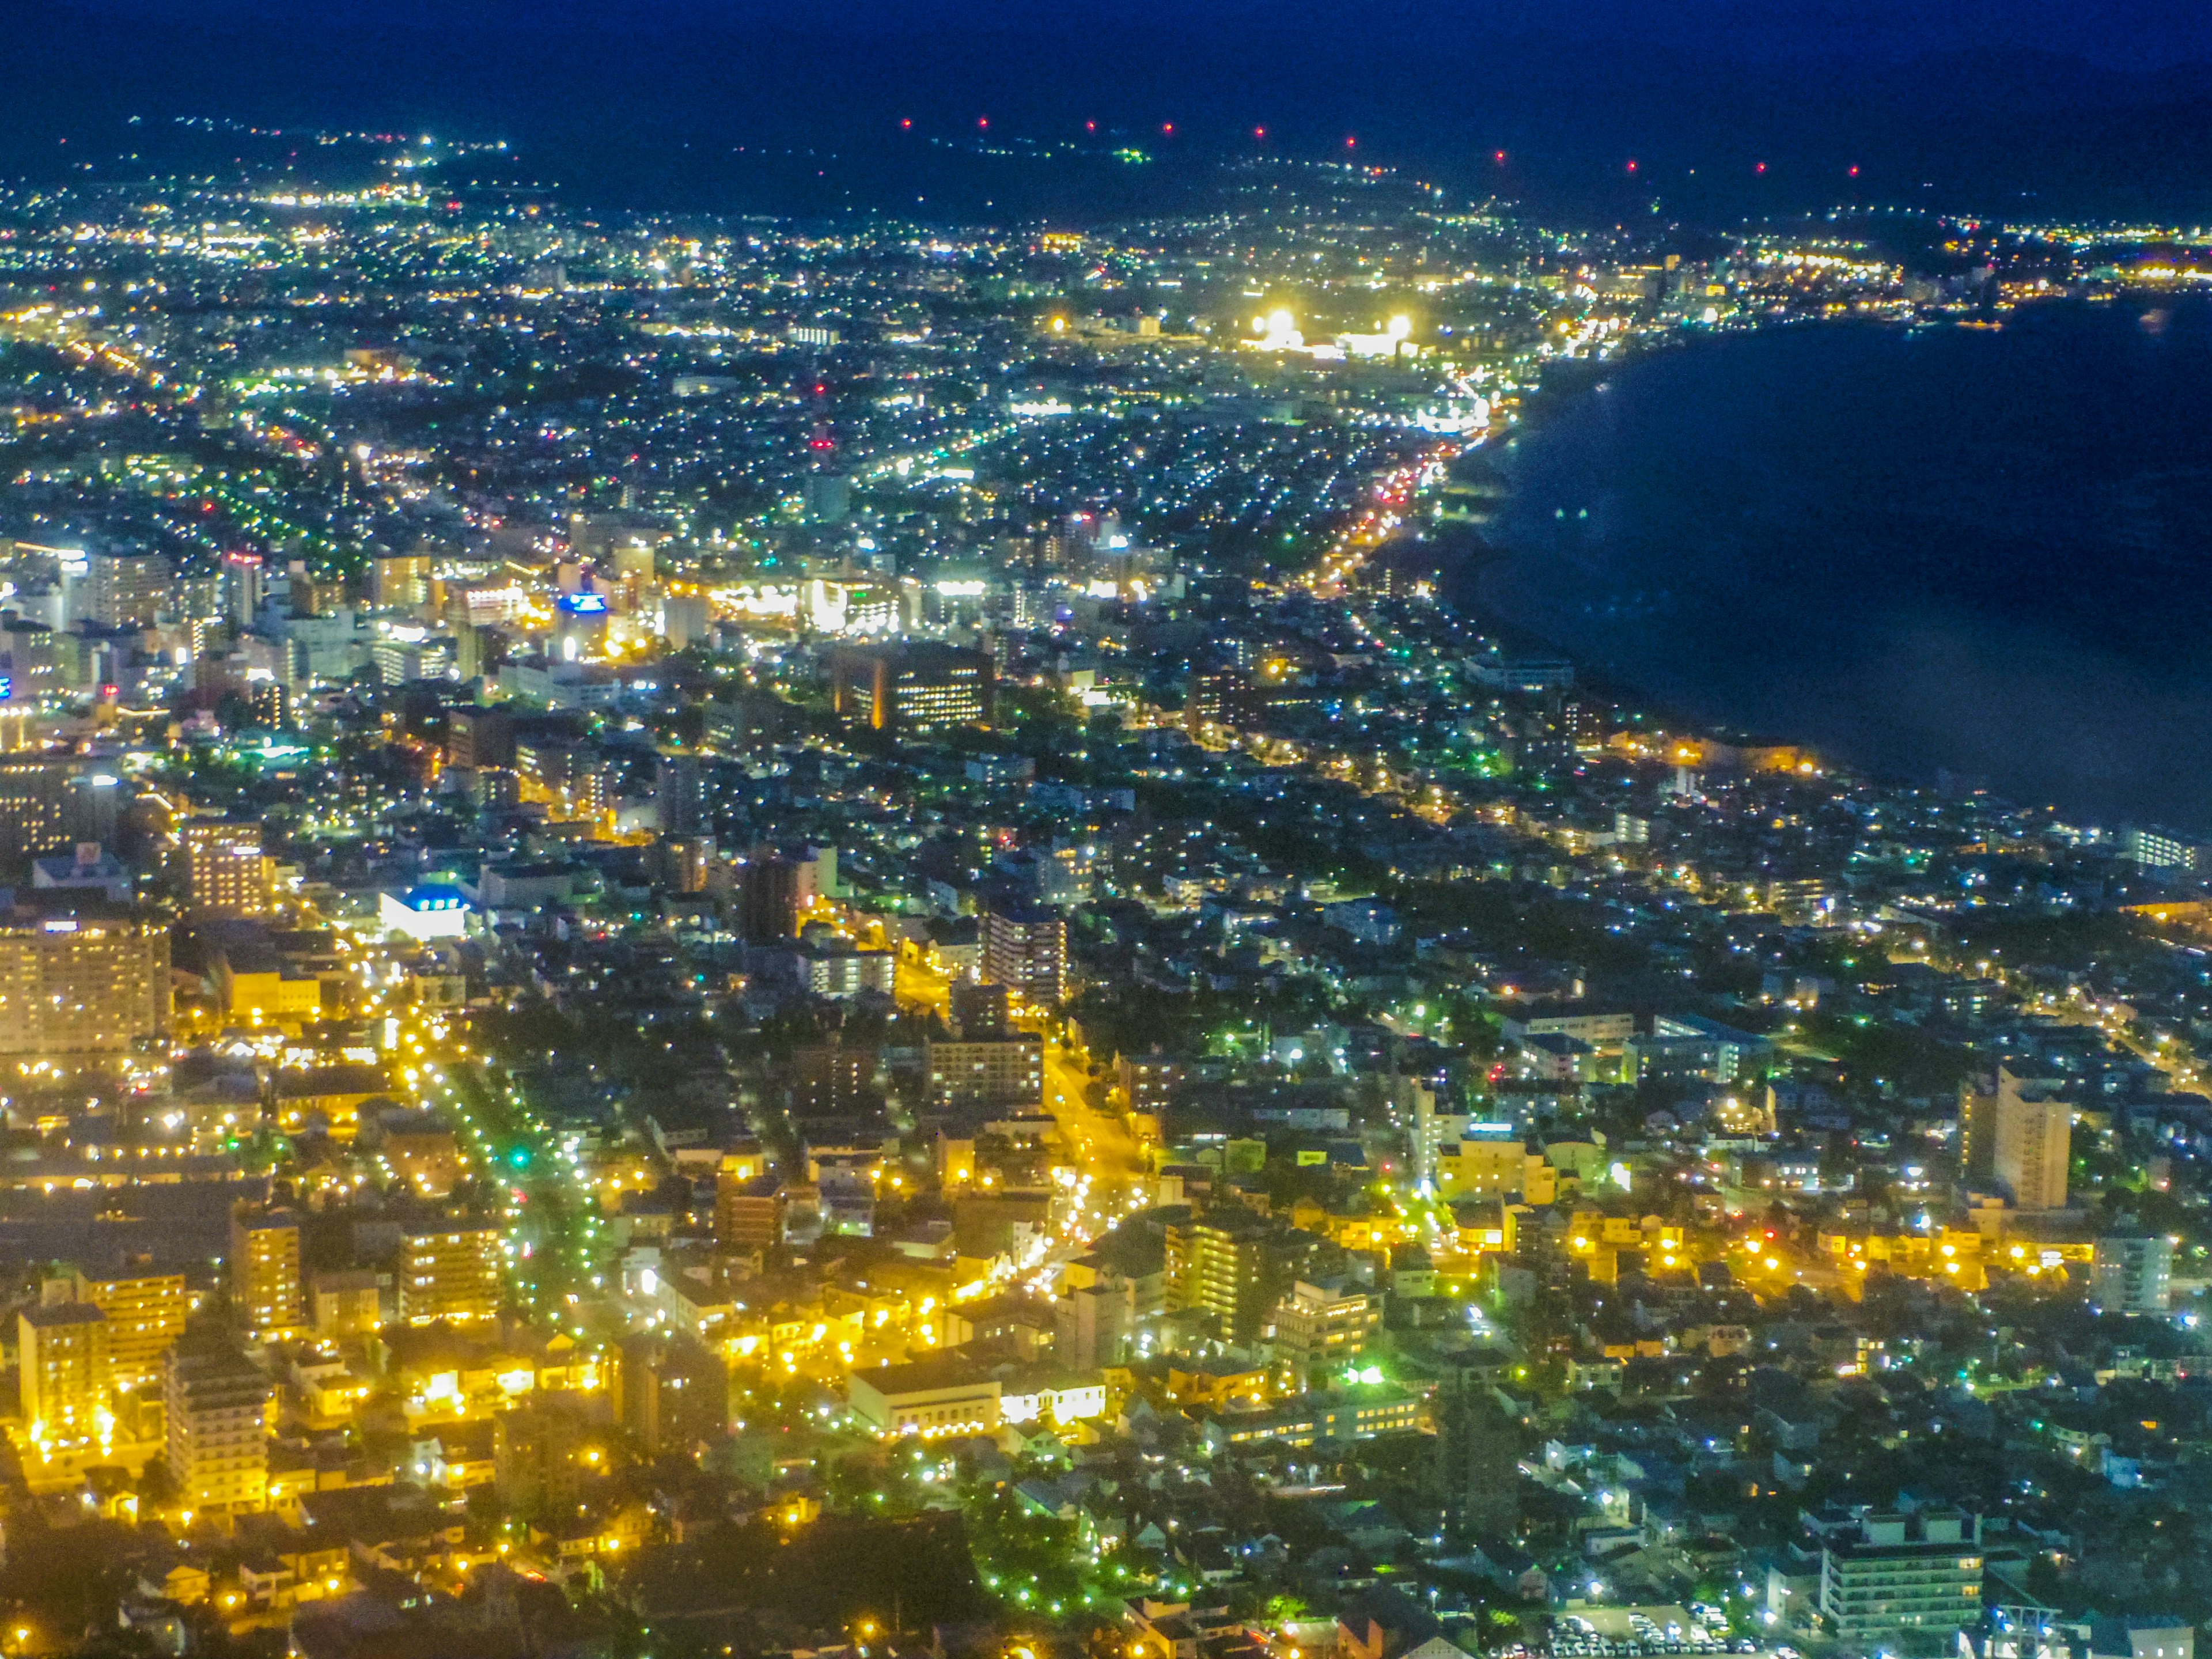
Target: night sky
1983,104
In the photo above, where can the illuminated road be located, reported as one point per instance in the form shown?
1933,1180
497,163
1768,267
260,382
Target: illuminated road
1098,1143
558,1248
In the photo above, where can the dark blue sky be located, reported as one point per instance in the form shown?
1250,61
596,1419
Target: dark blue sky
2094,102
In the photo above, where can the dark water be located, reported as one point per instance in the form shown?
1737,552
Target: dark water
1985,550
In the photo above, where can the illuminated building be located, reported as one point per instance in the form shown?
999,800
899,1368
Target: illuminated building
671,1394
399,582
678,795
1025,949
1887,1574
2133,1275
2033,1149
222,868
218,1445
749,1213
1146,1082
145,1317
126,590
450,1270
1488,1167
49,802
944,1394
266,1285
910,687
1092,1324
829,1079
1235,1267
346,1304
986,1071
1327,1415
423,913
81,976
580,626
1319,1324
838,969
256,984
63,1358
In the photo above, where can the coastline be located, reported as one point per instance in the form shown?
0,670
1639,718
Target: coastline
1818,639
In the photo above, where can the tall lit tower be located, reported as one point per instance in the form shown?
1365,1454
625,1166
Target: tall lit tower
829,491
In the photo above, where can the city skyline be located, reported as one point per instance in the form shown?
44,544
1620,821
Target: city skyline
1116,836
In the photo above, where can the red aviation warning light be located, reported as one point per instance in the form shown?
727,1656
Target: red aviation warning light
1500,158
1761,168
1259,132
908,122
1632,166
1854,172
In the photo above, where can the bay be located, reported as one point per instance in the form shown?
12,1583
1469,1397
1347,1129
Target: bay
1987,550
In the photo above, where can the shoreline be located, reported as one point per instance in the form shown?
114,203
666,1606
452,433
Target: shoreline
1471,558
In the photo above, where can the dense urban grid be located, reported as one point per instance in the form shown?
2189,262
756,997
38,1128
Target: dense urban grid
729,937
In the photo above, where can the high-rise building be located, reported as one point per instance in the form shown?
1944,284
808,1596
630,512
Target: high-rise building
265,1284
2033,1148
911,687
830,1079
345,1303
540,1455
1148,1082
62,1351
222,868
81,975
748,1210
773,893
1319,1324
985,1073
126,590
1093,1324
671,1393
145,1313
399,582
451,1269
2162,849
242,585
1025,949
681,863
476,738
1475,1462
1235,1267
2133,1275
828,496
218,1403
1888,1574
678,795
980,1011
1989,1100
38,798
1226,697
